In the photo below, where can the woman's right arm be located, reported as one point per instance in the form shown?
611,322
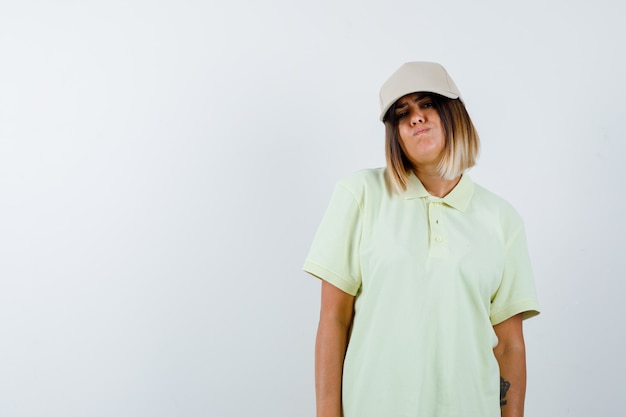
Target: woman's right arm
336,315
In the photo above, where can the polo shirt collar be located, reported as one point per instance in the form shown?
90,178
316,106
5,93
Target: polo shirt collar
459,197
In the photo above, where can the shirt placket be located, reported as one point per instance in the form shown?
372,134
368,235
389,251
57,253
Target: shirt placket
436,222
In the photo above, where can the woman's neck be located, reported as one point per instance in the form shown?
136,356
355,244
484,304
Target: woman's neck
435,184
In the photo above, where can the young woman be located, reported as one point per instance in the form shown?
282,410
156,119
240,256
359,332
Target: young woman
425,275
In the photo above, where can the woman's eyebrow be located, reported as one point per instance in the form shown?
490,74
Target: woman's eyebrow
417,99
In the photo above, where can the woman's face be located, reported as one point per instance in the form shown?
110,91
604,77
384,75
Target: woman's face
421,133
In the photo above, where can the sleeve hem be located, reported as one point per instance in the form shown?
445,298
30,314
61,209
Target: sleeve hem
331,277
528,307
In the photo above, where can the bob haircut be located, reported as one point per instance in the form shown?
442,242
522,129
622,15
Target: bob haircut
461,148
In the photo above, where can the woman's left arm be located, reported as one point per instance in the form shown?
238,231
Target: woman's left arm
511,355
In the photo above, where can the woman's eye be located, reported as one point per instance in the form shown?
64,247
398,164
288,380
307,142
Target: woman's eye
427,104
401,115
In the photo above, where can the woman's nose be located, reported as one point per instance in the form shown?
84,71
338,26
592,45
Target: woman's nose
417,117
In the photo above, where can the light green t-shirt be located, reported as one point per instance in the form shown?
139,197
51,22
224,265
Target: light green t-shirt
431,277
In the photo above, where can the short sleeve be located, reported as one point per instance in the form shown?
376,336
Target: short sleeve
334,254
516,293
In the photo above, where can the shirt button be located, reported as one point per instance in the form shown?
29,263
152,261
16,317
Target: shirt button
438,238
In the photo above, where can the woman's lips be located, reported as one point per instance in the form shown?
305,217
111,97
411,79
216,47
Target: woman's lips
420,131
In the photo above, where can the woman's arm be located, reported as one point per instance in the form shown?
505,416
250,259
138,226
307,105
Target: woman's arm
511,355
330,348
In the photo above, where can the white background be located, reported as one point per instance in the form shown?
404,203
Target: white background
164,166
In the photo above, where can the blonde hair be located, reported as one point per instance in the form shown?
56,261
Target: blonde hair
462,143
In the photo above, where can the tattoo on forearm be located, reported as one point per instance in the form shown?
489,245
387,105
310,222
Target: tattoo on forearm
504,387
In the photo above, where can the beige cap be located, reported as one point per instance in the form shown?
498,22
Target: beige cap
414,77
